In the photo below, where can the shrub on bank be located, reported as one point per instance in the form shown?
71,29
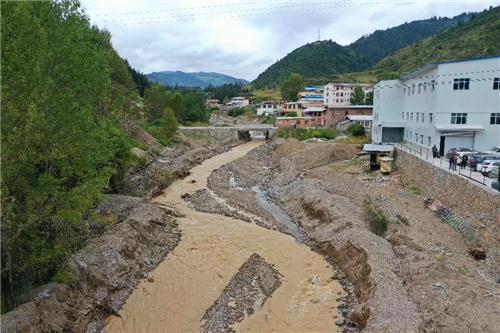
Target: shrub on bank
307,133
356,129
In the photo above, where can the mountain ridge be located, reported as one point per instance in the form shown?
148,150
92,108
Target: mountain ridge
192,79
327,58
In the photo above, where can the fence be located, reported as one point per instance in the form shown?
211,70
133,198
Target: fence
443,162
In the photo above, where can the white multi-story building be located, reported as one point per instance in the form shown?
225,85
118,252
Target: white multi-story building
339,94
268,108
448,104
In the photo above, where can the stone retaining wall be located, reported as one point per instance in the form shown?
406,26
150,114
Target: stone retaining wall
480,206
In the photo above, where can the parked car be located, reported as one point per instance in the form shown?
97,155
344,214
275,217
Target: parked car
494,151
490,168
474,161
460,151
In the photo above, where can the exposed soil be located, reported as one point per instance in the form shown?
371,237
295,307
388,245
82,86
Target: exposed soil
417,277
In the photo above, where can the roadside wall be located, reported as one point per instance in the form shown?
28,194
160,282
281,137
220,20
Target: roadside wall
218,134
467,199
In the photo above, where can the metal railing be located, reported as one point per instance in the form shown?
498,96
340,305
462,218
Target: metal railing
441,161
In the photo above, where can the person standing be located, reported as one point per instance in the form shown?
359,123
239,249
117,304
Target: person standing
454,158
465,158
434,151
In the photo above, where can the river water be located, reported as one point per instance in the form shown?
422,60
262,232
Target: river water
211,250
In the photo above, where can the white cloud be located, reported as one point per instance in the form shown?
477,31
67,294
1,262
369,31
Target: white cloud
242,38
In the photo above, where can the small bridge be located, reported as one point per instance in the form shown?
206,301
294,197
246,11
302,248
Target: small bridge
244,132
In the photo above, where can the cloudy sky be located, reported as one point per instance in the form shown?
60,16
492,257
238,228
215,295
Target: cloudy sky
242,38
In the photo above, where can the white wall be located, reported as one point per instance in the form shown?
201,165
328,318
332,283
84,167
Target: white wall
479,102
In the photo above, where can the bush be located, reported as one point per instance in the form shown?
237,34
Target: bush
307,133
377,220
235,112
291,114
356,129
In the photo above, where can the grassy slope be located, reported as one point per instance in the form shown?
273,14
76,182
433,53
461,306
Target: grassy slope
478,37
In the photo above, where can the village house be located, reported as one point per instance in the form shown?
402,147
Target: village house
365,121
339,94
238,102
311,96
336,114
268,108
212,103
449,104
292,107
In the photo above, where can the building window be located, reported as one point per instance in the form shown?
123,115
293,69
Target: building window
495,119
411,116
416,137
404,91
425,86
409,90
413,89
433,85
430,117
496,83
423,116
461,84
418,116
419,88
429,141
421,139
459,118
403,115
407,116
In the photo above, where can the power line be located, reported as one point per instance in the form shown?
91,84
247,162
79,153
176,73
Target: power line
247,12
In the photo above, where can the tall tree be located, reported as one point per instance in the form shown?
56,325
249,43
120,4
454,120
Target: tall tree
60,142
291,87
358,97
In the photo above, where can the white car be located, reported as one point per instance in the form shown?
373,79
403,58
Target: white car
490,167
493,151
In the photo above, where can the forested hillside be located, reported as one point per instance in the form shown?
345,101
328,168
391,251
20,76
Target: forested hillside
327,58
478,37
65,96
193,80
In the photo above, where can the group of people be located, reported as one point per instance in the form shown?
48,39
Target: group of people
457,160
454,159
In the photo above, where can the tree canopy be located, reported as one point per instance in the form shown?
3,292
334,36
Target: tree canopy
291,87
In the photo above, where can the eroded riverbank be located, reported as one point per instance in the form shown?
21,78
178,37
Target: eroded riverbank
181,290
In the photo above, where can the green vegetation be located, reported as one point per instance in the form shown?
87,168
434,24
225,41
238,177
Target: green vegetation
356,130
291,114
415,189
291,87
64,92
323,61
478,37
376,218
65,95
307,133
358,97
165,108
227,91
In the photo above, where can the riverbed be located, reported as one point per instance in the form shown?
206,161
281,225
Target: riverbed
177,294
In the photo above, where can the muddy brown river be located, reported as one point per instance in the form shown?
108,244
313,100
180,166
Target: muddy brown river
211,250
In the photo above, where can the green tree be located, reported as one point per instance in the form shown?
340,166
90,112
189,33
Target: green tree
358,97
291,87
156,99
369,98
62,95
